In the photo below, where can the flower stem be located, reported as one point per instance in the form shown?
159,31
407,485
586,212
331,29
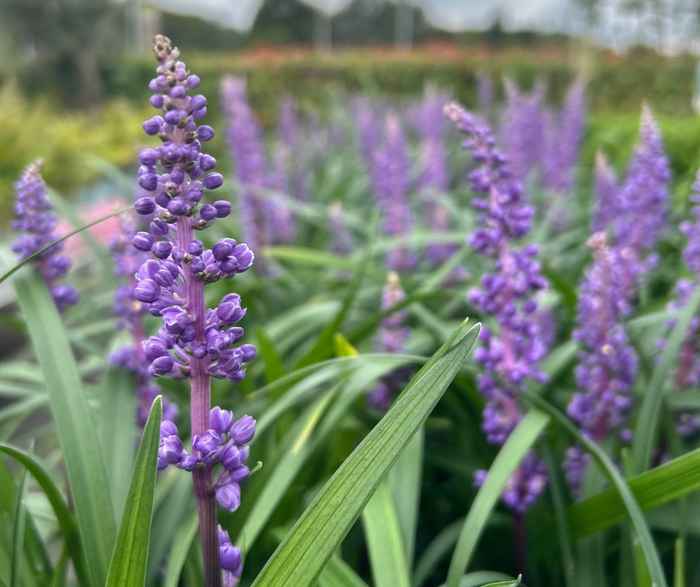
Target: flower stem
200,402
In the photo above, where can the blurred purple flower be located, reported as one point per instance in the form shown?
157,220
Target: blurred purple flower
606,204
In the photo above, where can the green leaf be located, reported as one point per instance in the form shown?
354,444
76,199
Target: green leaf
182,541
73,420
19,520
513,583
385,547
298,561
506,462
485,579
29,259
679,563
274,368
117,432
130,558
65,519
646,432
338,573
405,480
441,545
611,472
651,489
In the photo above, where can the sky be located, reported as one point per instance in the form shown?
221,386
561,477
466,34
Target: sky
672,30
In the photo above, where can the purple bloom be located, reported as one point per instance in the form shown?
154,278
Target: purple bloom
687,371
194,342
390,177
608,364
367,129
341,239
281,222
484,91
36,222
525,485
564,139
248,151
606,195
643,203
434,179
231,560
510,355
523,129
391,338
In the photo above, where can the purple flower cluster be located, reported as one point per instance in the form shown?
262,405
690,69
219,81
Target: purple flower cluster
485,91
564,132
391,338
434,178
523,129
390,180
231,560
367,129
36,222
643,202
341,240
127,261
608,364
687,372
524,486
224,442
606,204
510,356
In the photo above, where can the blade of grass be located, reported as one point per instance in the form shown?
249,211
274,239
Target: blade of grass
506,462
339,574
665,483
130,558
298,561
435,552
182,541
72,416
117,432
19,520
646,432
385,547
621,486
404,481
65,519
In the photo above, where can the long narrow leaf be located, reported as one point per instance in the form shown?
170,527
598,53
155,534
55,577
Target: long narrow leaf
606,465
182,541
65,519
338,574
72,416
298,561
506,462
130,558
19,519
646,432
384,543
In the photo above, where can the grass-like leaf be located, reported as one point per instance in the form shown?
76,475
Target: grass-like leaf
182,542
73,420
385,546
130,558
302,555
651,489
29,259
646,432
338,573
608,467
66,521
506,462
19,520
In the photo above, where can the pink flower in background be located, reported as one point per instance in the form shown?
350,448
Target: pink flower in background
103,232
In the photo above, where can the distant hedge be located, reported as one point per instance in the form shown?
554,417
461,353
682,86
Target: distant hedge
616,84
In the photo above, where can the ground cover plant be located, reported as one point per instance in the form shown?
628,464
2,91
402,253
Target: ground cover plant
266,376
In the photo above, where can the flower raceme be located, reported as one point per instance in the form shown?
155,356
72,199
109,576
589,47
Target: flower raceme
512,352
224,442
36,223
194,342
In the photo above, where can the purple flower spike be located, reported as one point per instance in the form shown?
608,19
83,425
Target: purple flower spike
511,354
390,177
231,560
606,195
194,343
36,223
